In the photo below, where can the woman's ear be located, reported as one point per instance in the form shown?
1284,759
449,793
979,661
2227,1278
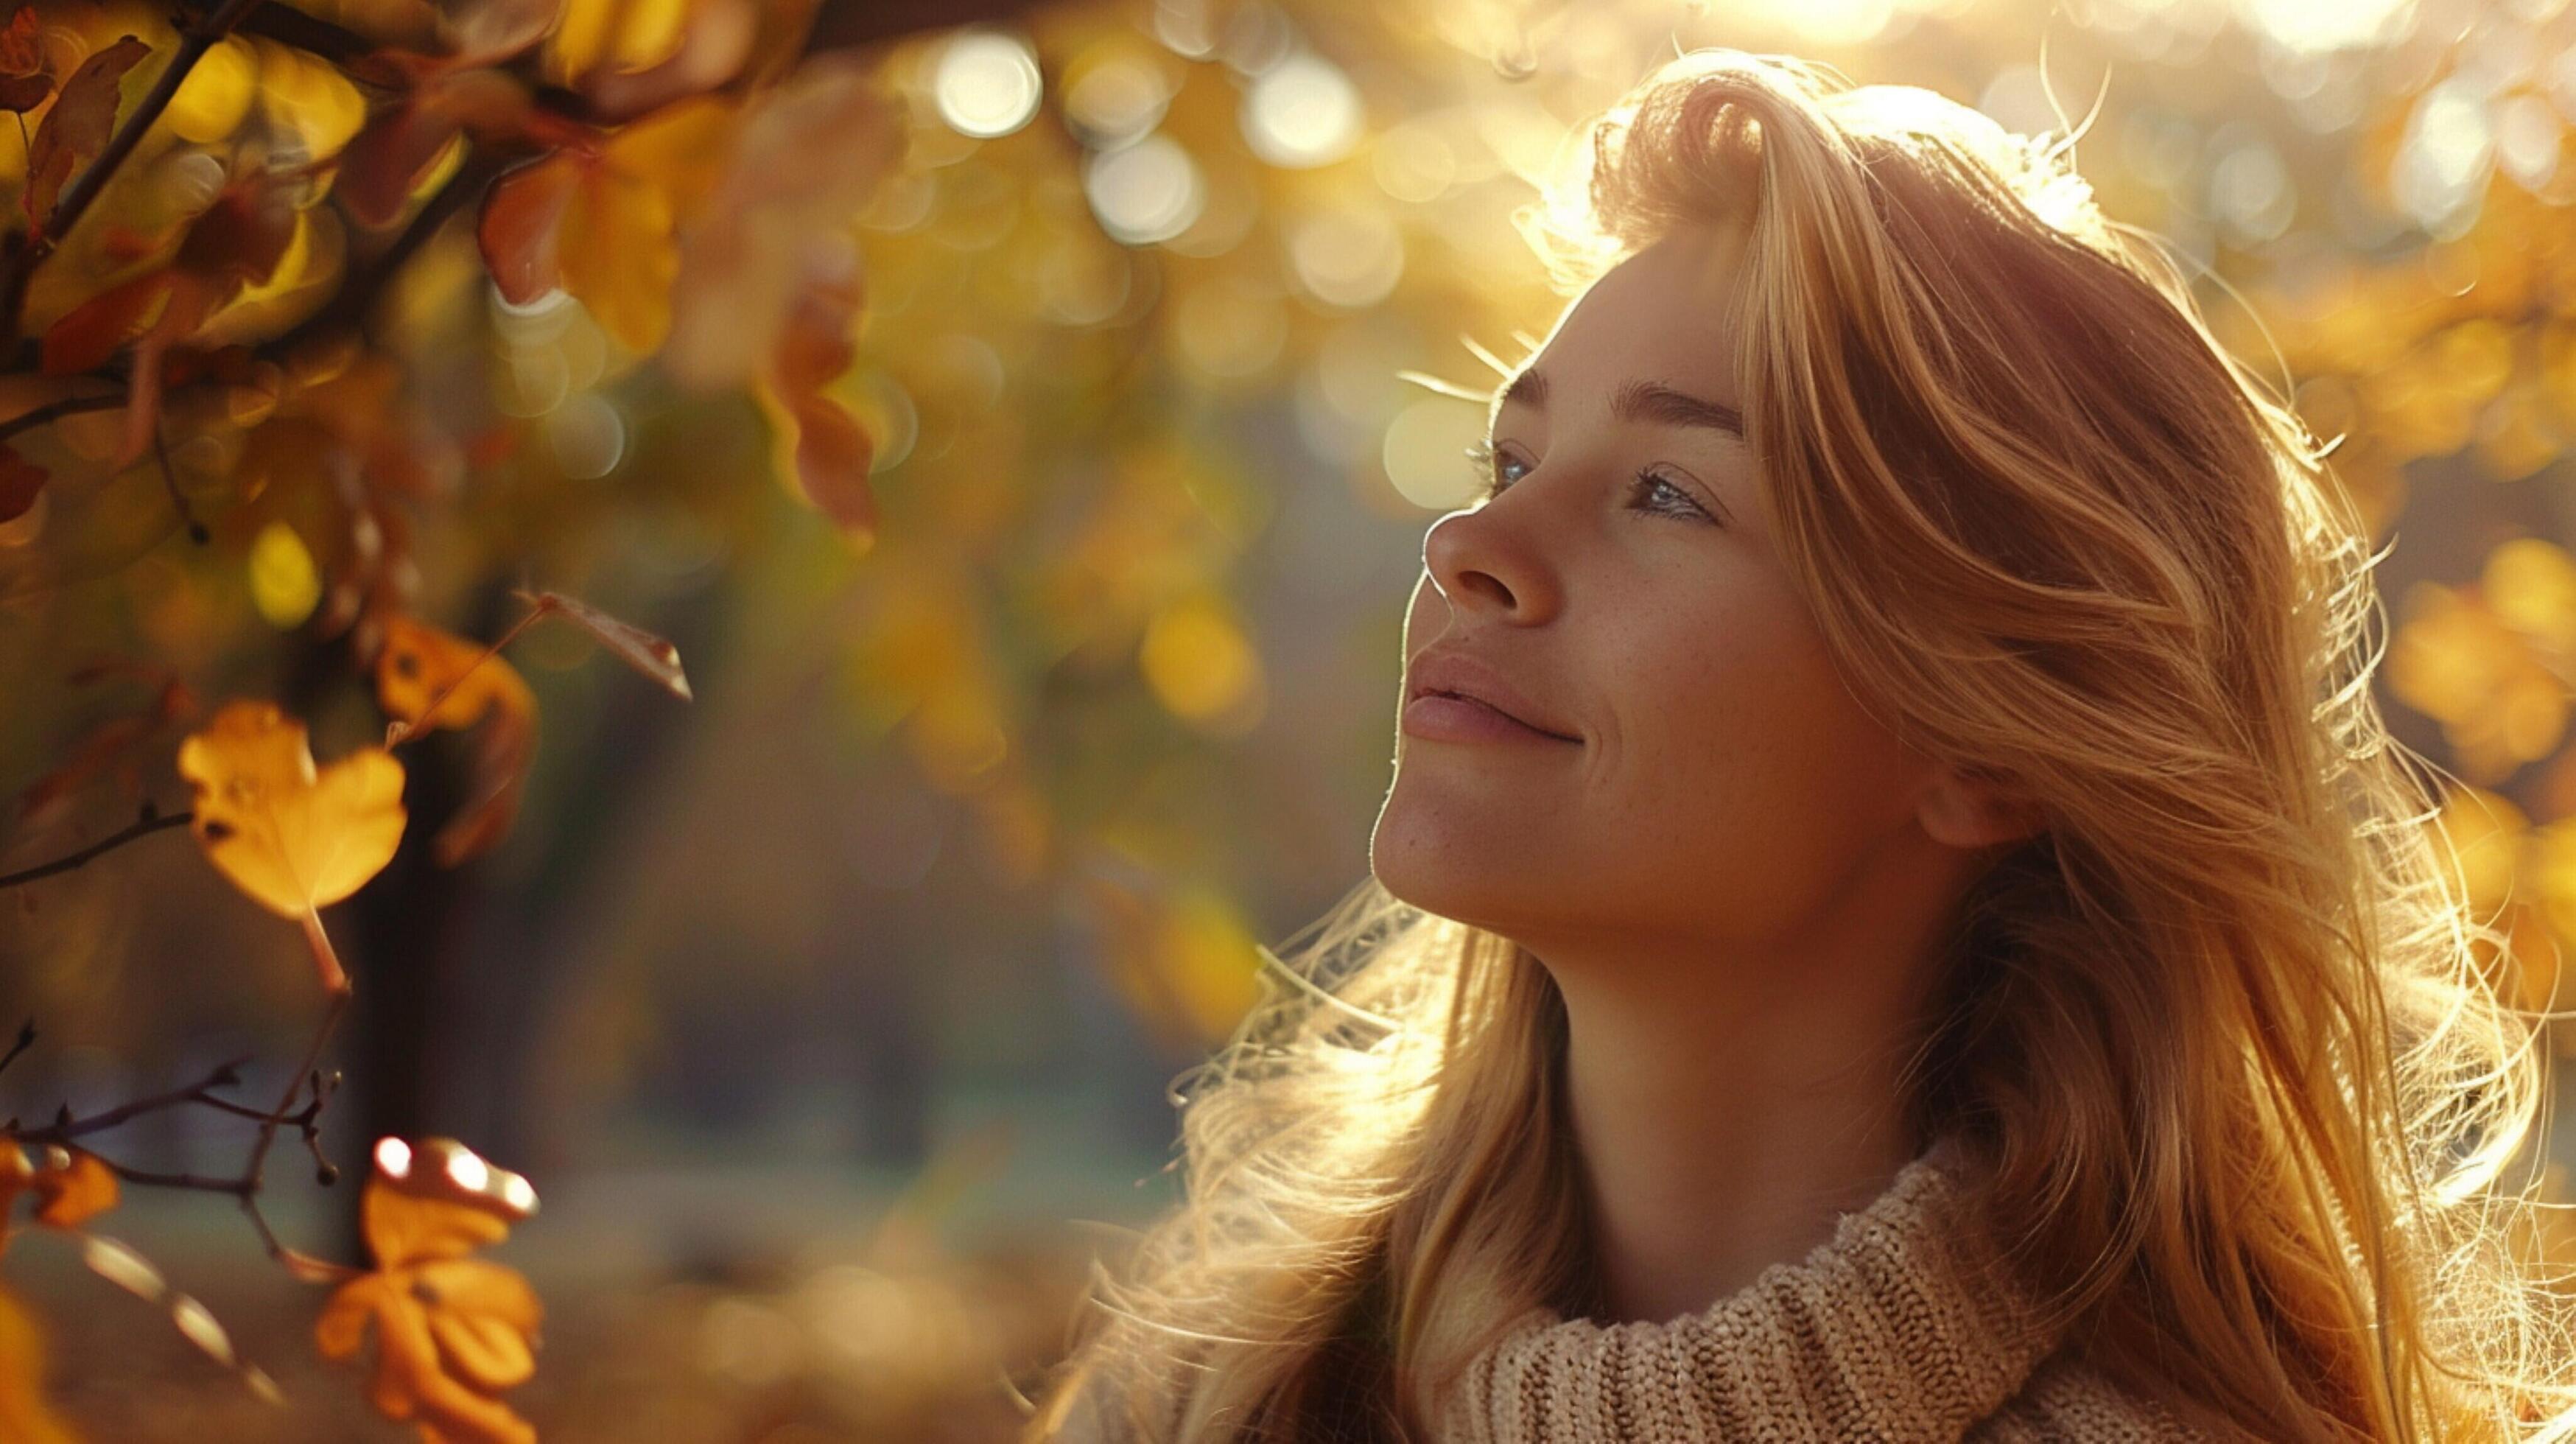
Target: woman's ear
1970,809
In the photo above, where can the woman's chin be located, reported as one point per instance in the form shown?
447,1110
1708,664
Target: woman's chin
1439,866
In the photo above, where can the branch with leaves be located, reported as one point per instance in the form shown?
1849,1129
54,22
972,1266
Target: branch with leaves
296,836
691,186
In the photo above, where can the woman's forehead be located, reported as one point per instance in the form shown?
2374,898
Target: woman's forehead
1665,314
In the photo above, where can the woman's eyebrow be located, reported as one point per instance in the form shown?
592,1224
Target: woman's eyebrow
1637,401
1650,401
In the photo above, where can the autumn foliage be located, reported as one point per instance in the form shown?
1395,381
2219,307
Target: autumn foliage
452,1331
660,168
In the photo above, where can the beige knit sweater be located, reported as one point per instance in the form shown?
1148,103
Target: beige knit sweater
1897,1329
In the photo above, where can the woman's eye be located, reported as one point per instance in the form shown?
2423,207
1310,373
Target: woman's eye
1654,491
1491,468
1673,496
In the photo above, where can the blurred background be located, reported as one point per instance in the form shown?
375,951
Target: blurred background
831,1012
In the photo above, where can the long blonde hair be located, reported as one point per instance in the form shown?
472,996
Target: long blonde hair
2226,1032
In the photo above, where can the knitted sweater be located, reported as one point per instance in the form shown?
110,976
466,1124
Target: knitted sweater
1898,1329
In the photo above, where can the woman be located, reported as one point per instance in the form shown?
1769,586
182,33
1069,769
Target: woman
1897,916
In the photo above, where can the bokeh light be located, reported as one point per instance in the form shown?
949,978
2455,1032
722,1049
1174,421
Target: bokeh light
1303,111
987,83
1146,192
1425,452
284,583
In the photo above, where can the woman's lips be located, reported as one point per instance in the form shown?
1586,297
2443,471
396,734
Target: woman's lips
1441,717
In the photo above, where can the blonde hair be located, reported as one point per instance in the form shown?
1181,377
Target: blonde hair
2225,1032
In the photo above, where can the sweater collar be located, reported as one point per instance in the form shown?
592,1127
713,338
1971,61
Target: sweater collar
1904,1326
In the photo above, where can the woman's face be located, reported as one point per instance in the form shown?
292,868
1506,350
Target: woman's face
1715,782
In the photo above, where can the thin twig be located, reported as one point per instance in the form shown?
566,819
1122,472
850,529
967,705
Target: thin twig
145,1178
303,1265
278,1115
65,1130
246,1188
34,417
297,1262
26,1040
141,828
170,481
247,1184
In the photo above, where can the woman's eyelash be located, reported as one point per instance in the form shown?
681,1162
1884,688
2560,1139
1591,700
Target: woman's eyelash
1487,460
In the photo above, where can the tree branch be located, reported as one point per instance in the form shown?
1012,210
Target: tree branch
30,419
150,822
246,1185
18,266
347,309
301,1264
311,33
846,24
64,1130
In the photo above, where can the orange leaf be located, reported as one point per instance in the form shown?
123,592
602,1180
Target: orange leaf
820,444
24,1416
86,335
383,164
422,670
422,667
20,480
71,1187
381,168
78,126
522,213
244,233
452,1331
293,836
23,81
79,1189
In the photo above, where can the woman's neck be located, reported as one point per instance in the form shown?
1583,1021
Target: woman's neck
1713,1147
1729,1098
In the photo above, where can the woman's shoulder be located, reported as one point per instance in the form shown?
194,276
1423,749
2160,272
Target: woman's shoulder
2067,1400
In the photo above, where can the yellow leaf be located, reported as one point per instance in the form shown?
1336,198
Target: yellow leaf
293,836
617,255
422,670
684,148
452,1332
618,34
24,1416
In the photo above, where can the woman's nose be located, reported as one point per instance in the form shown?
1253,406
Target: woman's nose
1487,559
